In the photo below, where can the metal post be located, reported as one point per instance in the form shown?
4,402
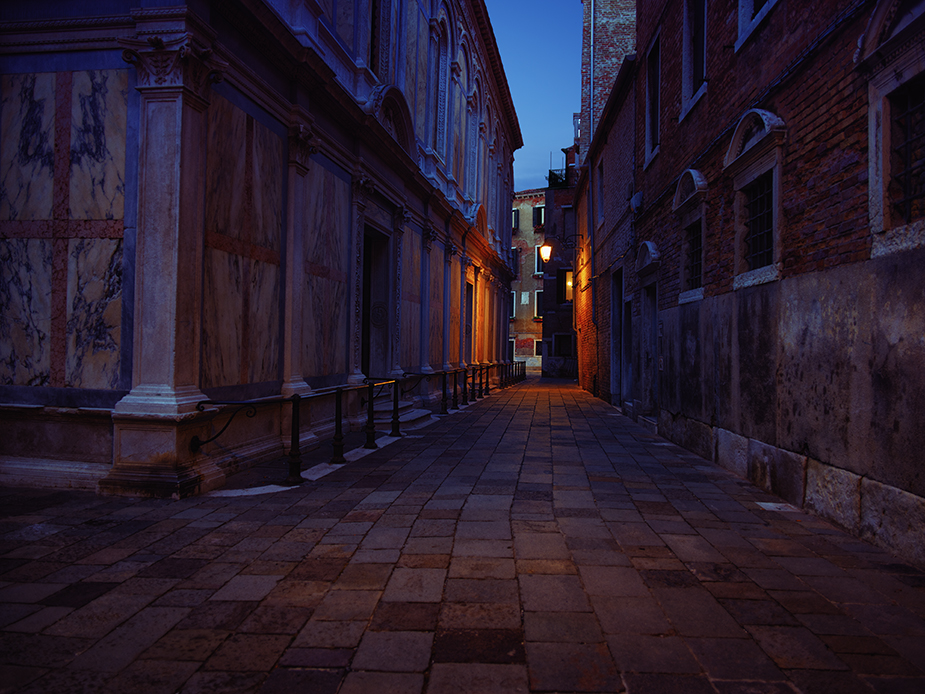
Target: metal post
481,393
488,380
465,389
395,430
295,454
443,409
338,457
456,389
370,423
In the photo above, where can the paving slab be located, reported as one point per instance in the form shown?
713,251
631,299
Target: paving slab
536,540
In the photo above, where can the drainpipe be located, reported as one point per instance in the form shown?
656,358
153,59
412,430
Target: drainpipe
591,179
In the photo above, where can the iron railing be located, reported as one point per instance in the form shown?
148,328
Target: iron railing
476,384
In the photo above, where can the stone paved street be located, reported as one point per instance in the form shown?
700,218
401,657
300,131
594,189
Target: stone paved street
534,541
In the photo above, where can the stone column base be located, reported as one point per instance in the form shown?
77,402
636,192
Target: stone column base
152,458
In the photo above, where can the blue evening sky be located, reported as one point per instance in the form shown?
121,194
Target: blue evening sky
540,44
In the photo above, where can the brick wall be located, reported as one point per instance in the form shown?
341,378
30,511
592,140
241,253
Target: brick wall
614,34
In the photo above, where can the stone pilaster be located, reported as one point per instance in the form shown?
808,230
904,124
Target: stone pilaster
428,236
362,189
464,263
449,251
155,421
400,221
301,147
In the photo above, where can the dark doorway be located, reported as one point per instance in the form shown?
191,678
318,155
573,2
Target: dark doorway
649,348
616,339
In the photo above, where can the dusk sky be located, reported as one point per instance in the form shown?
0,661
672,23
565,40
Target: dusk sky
540,44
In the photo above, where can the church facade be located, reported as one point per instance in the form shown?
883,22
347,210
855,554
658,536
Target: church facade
239,200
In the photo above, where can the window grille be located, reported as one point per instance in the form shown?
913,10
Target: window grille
694,255
759,240
907,165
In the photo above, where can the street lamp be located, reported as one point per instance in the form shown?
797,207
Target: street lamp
569,241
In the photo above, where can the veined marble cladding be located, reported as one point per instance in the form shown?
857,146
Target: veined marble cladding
327,269
268,171
27,140
225,166
94,312
98,121
243,220
345,28
263,337
25,312
222,319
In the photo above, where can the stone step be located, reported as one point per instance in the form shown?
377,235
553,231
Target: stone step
51,474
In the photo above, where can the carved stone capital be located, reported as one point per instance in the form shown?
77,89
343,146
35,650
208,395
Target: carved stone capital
430,235
362,186
401,219
182,62
449,252
302,145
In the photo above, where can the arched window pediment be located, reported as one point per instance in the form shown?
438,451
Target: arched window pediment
388,105
757,131
648,258
891,23
692,187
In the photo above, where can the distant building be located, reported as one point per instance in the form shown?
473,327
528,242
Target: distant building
528,217
560,349
750,284
228,201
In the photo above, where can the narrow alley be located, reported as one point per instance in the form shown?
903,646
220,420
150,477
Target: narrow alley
535,541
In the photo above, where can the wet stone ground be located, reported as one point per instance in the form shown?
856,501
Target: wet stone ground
534,541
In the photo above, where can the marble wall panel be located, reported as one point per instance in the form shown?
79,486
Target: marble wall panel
25,312
27,139
344,22
225,168
94,313
328,229
327,243
411,326
263,329
324,330
98,125
268,185
419,102
222,318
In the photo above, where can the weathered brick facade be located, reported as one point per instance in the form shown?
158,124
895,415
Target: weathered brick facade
788,347
609,35
526,326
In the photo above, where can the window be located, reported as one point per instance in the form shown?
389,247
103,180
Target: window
753,159
538,304
539,215
690,207
562,345
513,305
515,214
892,54
695,53
537,348
539,266
906,187
693,246
653,89
759,236
563,286
751,12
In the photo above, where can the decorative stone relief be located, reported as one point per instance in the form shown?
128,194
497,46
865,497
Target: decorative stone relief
181,62
449,252
302,145
430,235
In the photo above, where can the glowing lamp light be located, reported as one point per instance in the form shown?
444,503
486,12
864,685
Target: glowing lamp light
545,252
